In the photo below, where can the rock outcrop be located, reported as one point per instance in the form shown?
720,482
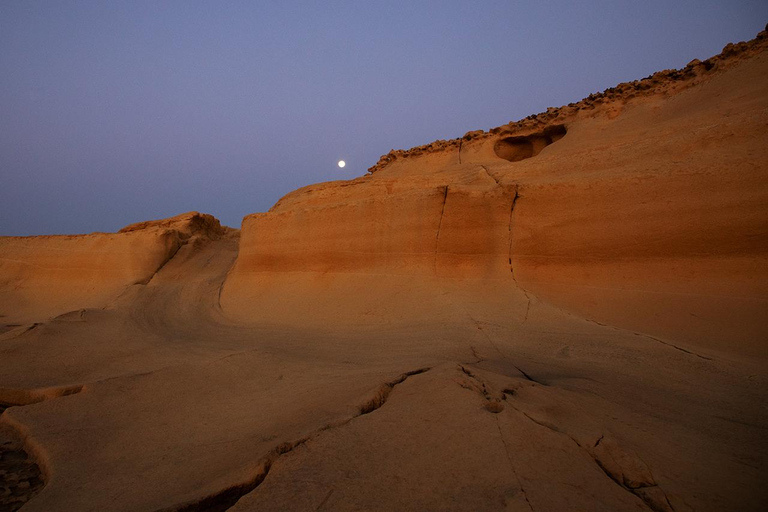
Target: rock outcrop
563,314
643,207
44,276
661,83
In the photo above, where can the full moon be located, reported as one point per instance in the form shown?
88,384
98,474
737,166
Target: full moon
342,163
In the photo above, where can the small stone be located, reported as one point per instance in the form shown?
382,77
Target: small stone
494,406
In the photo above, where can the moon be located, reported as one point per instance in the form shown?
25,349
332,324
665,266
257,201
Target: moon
342,163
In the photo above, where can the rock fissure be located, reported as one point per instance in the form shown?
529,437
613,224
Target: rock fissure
442,212
527,377
478,357
227,498
675,347
439,227
511,218
515,197
493,404
649,492
494,178
512,465
380,398
528,306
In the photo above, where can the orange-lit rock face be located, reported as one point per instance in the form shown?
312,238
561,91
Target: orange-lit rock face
379,251
558,315
518,148
648,214
656,220
425,230
54,274
388,233
48,275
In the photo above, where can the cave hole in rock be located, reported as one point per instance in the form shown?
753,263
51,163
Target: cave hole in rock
519,148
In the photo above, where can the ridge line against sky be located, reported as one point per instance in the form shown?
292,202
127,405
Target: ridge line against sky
114,113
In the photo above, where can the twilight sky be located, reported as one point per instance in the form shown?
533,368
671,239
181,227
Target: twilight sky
118,112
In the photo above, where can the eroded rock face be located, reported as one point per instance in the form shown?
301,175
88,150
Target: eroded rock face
187,225
44,276
448,333
610,101
519,148
637,209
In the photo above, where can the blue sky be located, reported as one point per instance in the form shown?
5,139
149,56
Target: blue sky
118,112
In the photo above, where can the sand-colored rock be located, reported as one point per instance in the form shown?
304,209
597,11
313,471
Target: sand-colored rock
644,211
565,313
44,276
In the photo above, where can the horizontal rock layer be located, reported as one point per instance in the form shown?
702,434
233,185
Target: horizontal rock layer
647,212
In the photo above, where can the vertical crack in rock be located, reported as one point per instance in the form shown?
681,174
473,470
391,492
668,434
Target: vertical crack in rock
511,216
439,227
442,212
515,197
460,144
528,306
227,498
512,466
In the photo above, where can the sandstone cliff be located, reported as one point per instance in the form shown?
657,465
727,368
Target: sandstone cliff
644,207
566,313
43,276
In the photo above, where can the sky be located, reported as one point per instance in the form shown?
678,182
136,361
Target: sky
119,112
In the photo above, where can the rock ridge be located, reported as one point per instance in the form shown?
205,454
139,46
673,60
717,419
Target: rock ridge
668,81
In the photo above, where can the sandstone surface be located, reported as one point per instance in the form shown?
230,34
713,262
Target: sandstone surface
42,276
564,313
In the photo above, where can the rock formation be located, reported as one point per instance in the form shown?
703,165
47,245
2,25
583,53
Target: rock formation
643,207
567,312
43,276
